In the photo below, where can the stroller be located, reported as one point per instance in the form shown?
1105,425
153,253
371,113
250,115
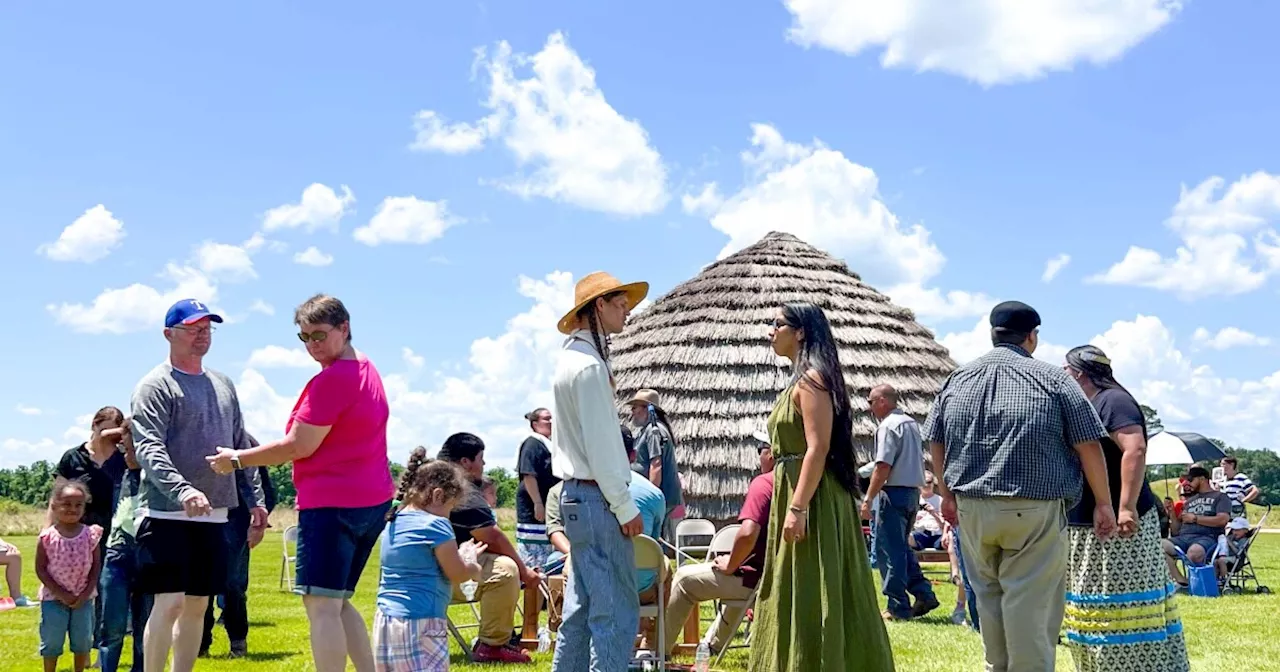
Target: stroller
1240,572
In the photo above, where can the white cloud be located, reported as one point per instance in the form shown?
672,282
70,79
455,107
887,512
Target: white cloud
932,304
504,378
986,41
312,256
557,124
1188,396
705,203
28,410
91,237
15,452
1227,338
262,307
136,307
277,357
407,219
1054,266
827,200
319,207
1214,258
412,359
221,261
434,134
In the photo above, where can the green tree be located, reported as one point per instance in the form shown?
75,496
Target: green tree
1154,425
282,479
1263,468
505,484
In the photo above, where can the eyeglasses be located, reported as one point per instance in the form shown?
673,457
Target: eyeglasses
318,336
779,323
198,332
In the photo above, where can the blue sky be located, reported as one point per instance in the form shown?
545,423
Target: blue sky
457,165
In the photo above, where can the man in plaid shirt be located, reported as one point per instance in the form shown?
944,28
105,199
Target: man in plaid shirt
1014,435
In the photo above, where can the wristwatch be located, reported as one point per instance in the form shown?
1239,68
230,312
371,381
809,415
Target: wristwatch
235,461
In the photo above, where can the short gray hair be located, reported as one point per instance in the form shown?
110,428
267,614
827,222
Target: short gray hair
323,309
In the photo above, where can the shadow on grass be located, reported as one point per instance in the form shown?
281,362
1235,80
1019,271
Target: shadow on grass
260,657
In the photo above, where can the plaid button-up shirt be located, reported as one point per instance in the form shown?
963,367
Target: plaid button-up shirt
1009,424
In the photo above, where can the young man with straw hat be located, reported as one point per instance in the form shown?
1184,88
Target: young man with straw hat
601,607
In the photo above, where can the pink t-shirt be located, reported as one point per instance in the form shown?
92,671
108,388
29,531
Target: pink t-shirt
350,469
70,559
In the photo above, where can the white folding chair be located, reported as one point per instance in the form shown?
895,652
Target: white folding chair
720,544
649,556
287,557
693,527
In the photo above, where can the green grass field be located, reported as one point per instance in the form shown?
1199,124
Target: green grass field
1239,632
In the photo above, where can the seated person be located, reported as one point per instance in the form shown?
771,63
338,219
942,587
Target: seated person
1166,517
1204,516
1237,535
11,560
501,569
653,508
927,534
728,577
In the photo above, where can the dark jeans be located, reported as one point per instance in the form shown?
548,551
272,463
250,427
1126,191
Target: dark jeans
121,606
970,600
234,603
895,516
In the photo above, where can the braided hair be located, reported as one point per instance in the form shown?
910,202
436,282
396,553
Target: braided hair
598,337
417,458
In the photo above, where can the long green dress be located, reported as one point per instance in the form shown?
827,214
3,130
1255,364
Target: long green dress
817,607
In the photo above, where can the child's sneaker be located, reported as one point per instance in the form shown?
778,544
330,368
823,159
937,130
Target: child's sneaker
486,653
957,616
23,601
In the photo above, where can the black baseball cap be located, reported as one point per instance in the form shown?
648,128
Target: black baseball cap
1015,316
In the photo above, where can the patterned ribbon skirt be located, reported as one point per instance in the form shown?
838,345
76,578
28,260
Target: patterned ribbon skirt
1121,613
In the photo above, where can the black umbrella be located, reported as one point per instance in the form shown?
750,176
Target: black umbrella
1181,448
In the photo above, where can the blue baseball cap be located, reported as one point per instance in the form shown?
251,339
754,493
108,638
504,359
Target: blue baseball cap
187,311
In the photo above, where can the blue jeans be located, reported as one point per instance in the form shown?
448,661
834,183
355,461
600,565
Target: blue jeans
121,604
58,623
601,604
895,516
970,599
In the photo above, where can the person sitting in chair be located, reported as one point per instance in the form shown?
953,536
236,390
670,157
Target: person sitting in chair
1205,514
733,576
929,527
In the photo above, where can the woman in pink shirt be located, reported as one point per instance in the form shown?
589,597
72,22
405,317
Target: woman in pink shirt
337,440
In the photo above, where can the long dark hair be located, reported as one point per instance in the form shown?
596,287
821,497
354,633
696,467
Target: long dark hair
659,416
818,352
598,337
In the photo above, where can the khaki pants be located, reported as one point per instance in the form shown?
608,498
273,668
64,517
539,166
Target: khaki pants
498,592
700,583
1015,552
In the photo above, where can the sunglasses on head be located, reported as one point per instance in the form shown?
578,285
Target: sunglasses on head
779,323
317,336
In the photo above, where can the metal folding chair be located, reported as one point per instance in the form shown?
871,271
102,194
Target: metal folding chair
649,555
692,527
287,558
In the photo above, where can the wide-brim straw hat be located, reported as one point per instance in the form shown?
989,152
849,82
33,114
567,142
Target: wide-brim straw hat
596,285
648,397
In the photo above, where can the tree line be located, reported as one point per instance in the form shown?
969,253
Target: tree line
30,484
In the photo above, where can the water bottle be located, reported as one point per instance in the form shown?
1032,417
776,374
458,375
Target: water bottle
469,590
702,659
544,639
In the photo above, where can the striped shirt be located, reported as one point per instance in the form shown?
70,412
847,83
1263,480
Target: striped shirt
1237,487
1009,424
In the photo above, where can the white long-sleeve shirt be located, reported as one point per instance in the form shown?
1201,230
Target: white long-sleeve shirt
586,437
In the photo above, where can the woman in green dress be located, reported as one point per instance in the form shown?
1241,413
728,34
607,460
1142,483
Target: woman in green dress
817,608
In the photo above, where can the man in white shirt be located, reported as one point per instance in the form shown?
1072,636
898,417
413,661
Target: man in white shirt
1238,487
601,604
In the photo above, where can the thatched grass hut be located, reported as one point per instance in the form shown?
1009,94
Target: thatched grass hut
705,348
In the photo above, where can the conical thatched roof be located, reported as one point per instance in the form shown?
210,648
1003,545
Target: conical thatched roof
705,348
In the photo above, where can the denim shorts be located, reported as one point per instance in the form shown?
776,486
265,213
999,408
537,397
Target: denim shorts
58,623
334,545
1185,542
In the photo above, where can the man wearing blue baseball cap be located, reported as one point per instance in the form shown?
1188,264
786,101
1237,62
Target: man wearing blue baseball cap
182,412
